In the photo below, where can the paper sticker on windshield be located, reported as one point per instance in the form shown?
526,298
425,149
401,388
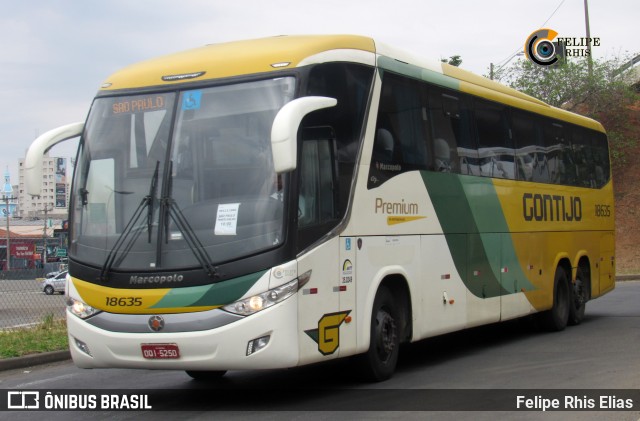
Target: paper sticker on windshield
191,100
227,219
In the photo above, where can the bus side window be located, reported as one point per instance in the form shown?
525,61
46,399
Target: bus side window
350,84
383,146
452,147
583,155
531,154
317,204
525,144
495,150
553,144
600,157
400,142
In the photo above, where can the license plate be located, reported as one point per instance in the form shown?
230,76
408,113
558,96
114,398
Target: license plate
160,351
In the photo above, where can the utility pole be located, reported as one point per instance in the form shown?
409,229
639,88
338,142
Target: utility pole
44,235
586,23
6,206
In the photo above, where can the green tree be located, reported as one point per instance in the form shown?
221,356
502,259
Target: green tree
453,60
605,93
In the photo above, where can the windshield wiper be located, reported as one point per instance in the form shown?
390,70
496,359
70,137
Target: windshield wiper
147,202
169,209
152,194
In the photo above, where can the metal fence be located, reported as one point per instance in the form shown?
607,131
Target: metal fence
23,302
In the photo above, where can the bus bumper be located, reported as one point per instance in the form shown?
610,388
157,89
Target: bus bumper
223,348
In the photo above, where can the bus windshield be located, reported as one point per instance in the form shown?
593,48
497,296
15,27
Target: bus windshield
167,180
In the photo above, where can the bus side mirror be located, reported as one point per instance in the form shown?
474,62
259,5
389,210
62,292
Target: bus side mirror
284,132
44,142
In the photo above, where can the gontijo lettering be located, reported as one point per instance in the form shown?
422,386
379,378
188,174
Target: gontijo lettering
546,207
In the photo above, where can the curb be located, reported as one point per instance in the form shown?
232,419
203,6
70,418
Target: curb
34,359
627,278
55,356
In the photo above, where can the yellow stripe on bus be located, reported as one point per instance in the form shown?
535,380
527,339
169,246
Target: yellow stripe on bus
130,301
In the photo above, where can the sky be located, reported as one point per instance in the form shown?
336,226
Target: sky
54,54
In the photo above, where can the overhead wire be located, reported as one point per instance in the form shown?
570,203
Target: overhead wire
517,51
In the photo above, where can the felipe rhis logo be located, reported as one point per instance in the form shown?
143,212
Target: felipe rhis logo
540,47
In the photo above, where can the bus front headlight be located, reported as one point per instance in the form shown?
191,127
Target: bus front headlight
80,309
253,304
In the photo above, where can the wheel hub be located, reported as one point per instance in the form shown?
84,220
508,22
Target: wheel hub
386,334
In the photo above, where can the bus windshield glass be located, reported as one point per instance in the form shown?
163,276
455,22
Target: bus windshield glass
167,180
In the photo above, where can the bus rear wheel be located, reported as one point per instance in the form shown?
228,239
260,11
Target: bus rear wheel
557,317
379,362
206,375
578,299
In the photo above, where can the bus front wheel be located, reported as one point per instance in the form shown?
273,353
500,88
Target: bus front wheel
379,362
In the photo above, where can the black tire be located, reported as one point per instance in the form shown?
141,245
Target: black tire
579,297
48,290
379,362
206,376
557,317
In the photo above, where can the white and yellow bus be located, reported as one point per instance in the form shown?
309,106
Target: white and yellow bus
285,201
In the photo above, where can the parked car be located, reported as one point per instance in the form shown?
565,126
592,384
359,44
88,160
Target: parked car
55,284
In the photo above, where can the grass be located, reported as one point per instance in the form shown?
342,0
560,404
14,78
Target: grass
49,335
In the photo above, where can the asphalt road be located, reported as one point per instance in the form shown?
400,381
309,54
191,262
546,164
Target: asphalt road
497,362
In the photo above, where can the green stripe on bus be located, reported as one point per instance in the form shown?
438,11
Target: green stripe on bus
417,72
217,294
477,233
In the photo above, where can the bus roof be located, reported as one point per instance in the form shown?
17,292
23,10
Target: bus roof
276,53
232,59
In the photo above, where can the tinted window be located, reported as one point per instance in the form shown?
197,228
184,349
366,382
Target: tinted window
331,141
561,168
449,121
495,149
425,127
600,157
583,156
525,139
350,84
400,142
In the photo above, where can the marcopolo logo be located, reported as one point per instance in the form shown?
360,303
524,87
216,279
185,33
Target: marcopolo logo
541,49
545,48
135,279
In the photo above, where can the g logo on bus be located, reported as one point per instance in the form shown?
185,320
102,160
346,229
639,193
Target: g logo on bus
156,323
327,335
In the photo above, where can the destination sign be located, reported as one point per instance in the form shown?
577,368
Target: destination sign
139,104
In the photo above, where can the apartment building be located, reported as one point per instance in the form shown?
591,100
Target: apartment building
53,201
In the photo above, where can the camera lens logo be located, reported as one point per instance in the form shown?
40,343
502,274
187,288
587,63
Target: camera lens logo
541,49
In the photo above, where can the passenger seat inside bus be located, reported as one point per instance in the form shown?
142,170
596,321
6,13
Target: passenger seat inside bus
442,155
383,147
